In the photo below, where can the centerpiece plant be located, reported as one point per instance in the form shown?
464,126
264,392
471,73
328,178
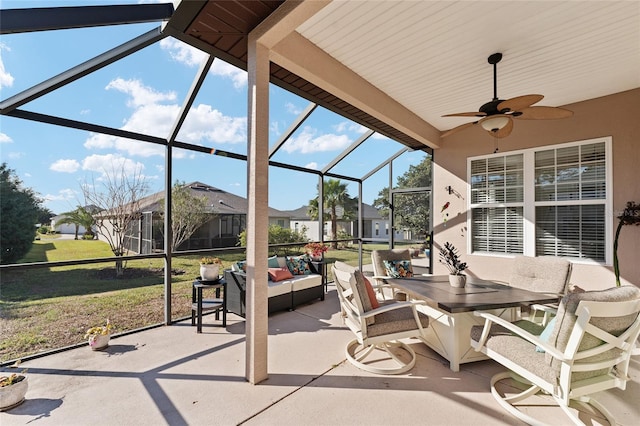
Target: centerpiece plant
450,258
210,268
99,336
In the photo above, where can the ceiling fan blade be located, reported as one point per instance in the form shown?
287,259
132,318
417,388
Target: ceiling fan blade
543,113
518,103
457,129
466,114
505,131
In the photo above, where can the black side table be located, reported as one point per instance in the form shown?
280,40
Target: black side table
320,267
199,304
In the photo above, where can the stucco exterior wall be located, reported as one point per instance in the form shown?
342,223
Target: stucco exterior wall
616,115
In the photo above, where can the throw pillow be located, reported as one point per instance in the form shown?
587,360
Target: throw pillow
546,333
398,268
273,262
298,265
372,294
279,274
242,265
361,290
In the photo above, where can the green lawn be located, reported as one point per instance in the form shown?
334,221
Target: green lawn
48,308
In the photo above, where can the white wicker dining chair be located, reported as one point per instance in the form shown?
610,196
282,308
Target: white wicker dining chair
377,329
588,350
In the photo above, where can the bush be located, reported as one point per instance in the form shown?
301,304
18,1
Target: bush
44,229
279,235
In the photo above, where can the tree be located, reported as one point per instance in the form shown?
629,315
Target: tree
117,200
411,212
188,213
80,217
337,205
44,215
19,209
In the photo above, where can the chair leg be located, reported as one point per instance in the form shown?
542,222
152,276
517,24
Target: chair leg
507,402
357,358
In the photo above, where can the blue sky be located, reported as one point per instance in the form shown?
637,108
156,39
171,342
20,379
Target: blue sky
143,93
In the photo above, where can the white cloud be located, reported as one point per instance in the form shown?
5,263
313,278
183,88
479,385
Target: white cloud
65,166
6,79
112,165
312,165
140,94
207,124
307,142
192,57
16,155
292,109
4,138
203,123
62,195
224,69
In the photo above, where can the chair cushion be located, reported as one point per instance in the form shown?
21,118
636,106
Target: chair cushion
396,321
544,274
398,268
298,265
566,319
341,266
517,349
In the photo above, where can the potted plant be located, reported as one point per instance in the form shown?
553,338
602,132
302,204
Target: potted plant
451,259
316,250
99,336
210,268
13,388
630,216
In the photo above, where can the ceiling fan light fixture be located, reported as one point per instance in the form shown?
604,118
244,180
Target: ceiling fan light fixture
493,124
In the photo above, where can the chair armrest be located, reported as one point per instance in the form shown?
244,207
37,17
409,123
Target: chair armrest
490,318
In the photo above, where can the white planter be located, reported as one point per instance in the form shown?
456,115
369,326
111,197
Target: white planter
458,281
13,395
210,272
99,341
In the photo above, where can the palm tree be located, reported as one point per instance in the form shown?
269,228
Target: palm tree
79,217
337,205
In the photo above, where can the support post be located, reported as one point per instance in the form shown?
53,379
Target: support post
258,212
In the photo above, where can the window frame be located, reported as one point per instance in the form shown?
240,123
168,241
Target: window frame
529,202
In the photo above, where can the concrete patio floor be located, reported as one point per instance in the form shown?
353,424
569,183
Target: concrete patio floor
172,375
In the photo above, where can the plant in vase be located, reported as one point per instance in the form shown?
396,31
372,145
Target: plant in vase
210,268
316,250
13,388
99,336
451,259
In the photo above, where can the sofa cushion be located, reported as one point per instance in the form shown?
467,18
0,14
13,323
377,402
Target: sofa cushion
298,265
279,274
278,288
273,262
301,282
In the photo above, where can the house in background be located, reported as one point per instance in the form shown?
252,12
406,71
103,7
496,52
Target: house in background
374,225
228,219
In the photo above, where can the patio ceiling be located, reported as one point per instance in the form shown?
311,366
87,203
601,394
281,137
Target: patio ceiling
431,56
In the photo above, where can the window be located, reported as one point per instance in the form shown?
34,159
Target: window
544,201
377,228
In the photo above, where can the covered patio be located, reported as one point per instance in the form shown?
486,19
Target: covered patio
172,375
327,52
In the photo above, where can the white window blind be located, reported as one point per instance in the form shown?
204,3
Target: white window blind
562,213
497,194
